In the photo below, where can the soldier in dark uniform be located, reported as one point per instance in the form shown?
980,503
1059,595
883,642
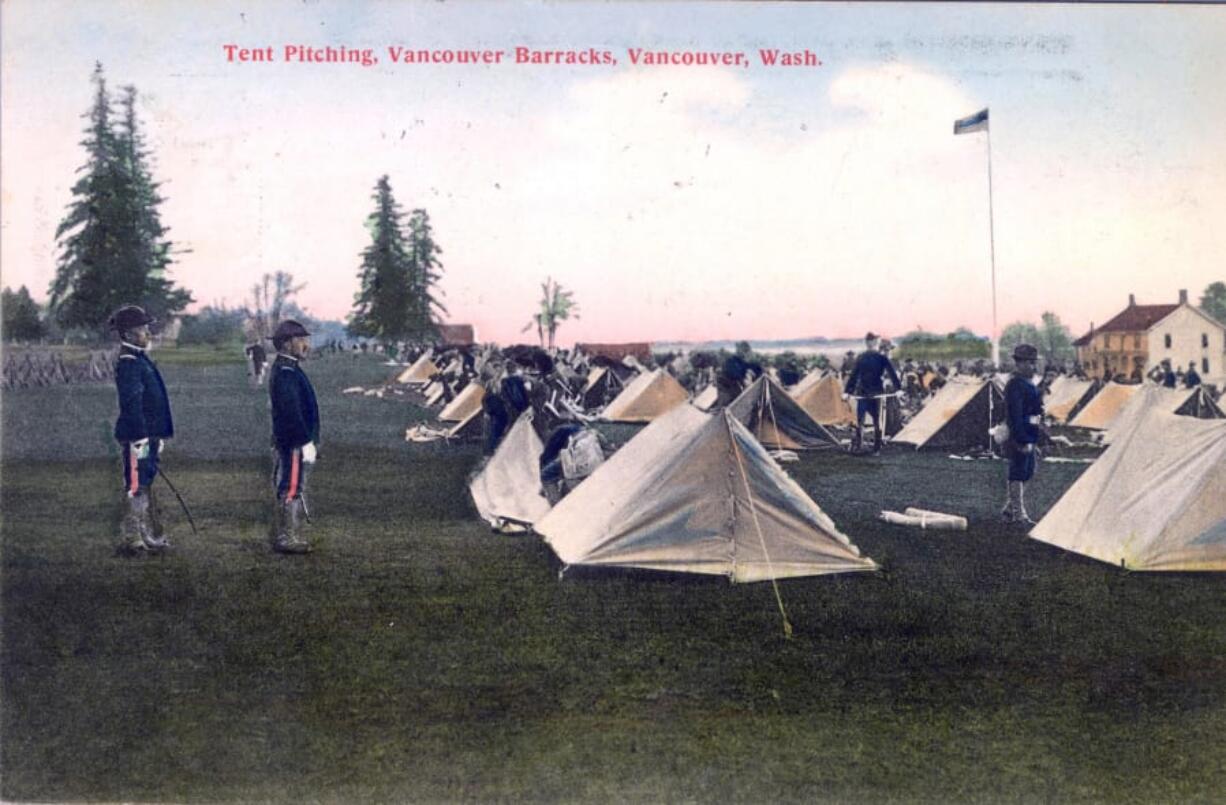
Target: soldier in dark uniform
143,425
1168,377
295,433
1192,379
256,352
865,383
1024,416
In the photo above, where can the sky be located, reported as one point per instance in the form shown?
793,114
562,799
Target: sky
677,202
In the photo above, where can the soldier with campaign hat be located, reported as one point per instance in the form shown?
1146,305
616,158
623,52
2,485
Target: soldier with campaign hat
295,435
143,425
1024,419
865,384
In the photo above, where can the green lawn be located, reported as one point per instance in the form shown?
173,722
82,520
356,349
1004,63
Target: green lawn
417,656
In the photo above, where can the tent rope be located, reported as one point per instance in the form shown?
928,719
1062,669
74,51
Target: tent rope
753,510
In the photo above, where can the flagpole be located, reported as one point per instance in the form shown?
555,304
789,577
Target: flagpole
992,248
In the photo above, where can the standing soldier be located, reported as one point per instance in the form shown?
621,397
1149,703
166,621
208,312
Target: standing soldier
295,432
144,423
1024,416
865,384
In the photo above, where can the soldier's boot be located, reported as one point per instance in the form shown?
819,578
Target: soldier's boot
155,536
877,434
288,537
857,438
132,527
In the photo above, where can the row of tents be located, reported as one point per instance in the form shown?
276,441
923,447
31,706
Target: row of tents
699,491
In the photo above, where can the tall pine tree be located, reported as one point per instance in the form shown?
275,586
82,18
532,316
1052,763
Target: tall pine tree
112,240
426,271
396,298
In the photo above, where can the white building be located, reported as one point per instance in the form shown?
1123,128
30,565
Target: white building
1142,336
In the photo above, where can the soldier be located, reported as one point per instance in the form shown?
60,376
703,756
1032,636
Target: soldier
865,384
295,432
143,425
1024,417
1192,379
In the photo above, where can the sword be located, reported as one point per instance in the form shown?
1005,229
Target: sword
179,497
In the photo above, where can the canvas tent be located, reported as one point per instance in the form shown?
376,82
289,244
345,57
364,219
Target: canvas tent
508,488
601,384
1184,402
646,397
958,417
696,493
776,420
1101,411
706,398
420,372
823,400
1067,396
464,404
1155,500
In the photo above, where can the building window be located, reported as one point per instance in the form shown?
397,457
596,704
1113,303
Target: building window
1107,341
1204,365
1166,339
1136,342
1204,339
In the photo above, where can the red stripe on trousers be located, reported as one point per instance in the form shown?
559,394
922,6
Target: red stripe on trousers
292,492
133,474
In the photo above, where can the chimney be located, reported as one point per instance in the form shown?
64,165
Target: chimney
1183,296
1132,300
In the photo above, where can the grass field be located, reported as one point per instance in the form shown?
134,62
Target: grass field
417,656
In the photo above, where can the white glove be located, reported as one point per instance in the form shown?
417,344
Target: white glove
846,396
308,452
1028,448
141,446
161,446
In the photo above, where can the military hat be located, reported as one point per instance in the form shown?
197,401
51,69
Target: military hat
288,329
129,317
1025,352
871,336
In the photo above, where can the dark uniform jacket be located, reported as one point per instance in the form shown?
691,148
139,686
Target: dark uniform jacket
144,407
1022,402
295,413
865,378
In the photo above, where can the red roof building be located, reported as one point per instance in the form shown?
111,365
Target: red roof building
456,335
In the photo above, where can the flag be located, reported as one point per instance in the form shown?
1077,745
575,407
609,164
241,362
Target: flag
976,122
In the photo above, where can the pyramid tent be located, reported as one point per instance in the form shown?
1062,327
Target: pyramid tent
508,488
706,398
823,400
600,384
420,372
467,401
433,392
1101,411
646,397
808,380
1067,396
777,420
958,417
1184,402
1154,500
696,493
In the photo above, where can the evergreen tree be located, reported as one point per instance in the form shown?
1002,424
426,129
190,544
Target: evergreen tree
382,305
425,272
112,241
20,315
399,270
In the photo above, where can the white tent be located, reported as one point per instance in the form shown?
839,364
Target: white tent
958,417
508,488
696,493
823,400
1066,396
777,421
646,397
706,398
1101,411
420,372
1189,402
467,401
1155,500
